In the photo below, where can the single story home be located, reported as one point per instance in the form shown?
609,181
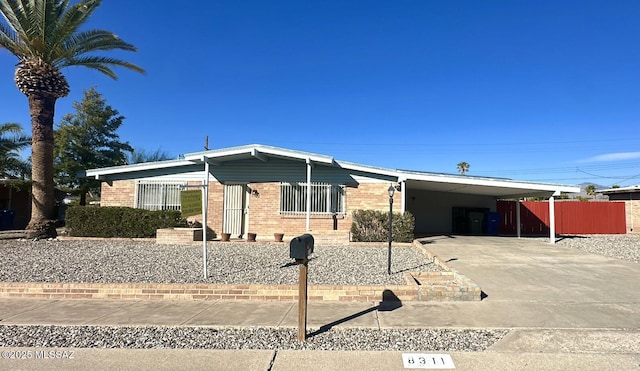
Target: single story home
265,190
631,197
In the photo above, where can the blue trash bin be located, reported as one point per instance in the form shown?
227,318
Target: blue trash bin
6,219
493,223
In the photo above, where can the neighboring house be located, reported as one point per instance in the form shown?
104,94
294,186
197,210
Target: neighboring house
15,205
631,197
265,190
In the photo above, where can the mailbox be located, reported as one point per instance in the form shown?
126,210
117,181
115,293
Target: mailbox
301,247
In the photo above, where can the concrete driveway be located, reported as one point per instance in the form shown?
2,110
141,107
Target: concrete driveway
531,283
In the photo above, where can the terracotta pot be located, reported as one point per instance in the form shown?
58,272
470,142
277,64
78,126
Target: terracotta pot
251,237
278,236
225,236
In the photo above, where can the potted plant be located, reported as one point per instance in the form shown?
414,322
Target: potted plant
251,237
278,236
225,236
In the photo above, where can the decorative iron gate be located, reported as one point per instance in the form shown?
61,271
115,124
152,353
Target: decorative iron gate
235,209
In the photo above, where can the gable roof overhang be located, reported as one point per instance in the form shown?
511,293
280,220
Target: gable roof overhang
415,180
107,173
218,157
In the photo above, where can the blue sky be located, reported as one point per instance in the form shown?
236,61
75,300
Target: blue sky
531,90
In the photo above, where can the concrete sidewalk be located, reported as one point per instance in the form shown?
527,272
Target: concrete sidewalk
532,347
564,309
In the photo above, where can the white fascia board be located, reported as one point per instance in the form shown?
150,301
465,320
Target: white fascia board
97,173
492,182
213,154
369,169
259,151
305,156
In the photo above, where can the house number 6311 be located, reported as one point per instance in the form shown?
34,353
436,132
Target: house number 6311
427,361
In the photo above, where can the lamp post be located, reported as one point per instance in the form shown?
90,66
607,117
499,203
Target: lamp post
391,191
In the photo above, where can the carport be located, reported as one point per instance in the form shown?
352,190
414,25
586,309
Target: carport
434,198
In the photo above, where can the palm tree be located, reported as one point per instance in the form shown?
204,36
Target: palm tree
12,140
44,35
463,167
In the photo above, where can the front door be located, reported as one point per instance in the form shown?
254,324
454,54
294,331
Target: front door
235,209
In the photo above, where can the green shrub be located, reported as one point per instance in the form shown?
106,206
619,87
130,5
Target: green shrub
373,226
95,221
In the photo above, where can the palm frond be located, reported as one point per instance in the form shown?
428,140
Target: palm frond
11,128
8,10
68,24
101,64
87,42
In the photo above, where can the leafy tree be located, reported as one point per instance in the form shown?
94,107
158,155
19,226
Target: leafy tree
88,140
12,140
591,190
615,186
463,168
139,155
45,36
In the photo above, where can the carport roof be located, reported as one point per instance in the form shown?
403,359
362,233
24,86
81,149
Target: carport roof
415,180
495,187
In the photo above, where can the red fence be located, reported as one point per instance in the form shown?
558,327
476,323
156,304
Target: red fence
572,217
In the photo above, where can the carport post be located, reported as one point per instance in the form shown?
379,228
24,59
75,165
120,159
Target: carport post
308,217
403,200
205,207
552,221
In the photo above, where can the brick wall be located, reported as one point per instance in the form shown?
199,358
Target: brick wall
265,218
632,210
118,193
264,207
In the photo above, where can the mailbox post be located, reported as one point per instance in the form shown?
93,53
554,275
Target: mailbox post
299,249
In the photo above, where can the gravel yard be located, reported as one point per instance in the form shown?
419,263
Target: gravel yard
472,340
618,246
117,261
146,262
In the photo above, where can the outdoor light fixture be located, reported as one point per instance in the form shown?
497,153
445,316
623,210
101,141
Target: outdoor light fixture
391,191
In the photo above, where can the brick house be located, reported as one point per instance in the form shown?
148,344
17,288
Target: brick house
266,190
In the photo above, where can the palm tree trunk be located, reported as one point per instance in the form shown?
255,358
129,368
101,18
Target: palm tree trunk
41,110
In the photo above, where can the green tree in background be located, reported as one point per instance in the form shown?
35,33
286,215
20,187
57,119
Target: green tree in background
12,141
463,168
140,155
88,140
45,36
591,190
